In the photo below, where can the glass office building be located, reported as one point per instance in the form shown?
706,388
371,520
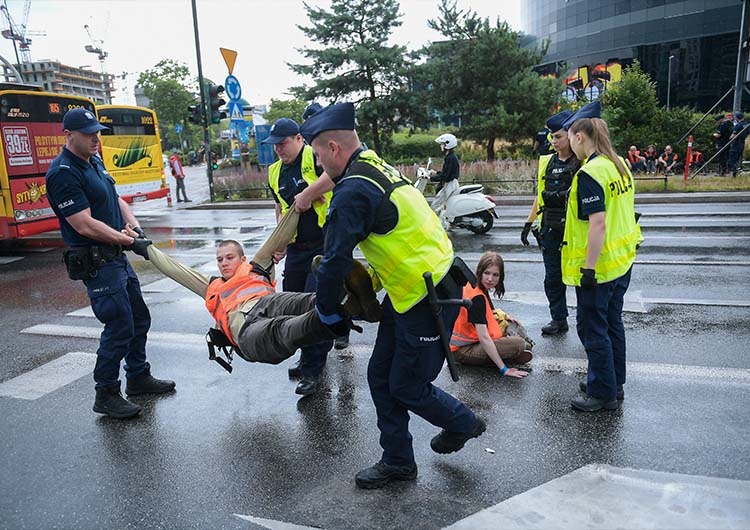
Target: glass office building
590,41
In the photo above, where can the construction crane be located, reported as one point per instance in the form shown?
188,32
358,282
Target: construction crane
19,33
96,47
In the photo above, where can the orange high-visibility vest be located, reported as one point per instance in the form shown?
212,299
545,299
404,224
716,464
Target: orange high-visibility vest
222,296
465,332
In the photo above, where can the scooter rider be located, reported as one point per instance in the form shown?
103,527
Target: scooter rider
448,175
555,175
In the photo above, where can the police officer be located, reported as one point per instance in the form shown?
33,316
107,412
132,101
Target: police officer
94,222
600,241
555,173
374,206
288,177
739,135
722,135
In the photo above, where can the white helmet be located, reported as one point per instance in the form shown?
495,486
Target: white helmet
447,140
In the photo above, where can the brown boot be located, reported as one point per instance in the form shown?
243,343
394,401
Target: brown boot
360,300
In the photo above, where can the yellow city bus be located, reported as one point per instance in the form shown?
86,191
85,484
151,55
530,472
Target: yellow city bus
131,150
31,130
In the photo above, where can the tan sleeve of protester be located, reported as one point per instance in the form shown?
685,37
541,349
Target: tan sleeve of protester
185,276
279,239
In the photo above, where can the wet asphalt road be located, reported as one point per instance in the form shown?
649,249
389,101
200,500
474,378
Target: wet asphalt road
242,444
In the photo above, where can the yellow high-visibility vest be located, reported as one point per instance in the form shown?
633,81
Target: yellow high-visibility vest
309,175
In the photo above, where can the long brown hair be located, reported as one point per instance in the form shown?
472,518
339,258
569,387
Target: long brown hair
487,260
597,131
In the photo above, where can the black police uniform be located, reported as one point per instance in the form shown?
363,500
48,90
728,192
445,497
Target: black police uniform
724,131
557,179
113,288
298,275
737,147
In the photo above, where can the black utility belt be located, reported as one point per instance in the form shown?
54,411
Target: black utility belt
306,245
83,263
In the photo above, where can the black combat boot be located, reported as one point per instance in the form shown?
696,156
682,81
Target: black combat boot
620,390
449,442
109,401
555,327
360,300
145,383
380,474
307,386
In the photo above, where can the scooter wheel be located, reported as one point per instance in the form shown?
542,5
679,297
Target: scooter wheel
487,221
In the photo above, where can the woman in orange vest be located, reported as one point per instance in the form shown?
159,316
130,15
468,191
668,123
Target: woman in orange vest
477,337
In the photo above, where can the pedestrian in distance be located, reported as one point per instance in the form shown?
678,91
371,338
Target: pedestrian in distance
263,325
651,156
377,208
478,338
722,135
737,140
555,174
599,248
667,161
93,219
178,172
447,177
293,173
636,163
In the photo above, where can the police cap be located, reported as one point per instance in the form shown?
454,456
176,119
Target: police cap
311,109
83,120
281,129
556,121
590,110
337,117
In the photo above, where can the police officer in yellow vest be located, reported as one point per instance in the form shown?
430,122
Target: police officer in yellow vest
601,237
295,173
555,175
374,206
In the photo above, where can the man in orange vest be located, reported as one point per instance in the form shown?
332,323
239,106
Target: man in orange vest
264,325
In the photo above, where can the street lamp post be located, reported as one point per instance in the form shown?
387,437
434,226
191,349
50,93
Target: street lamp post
669,79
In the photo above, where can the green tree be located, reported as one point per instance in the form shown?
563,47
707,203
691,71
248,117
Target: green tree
630,109
285,108
355,62
482,73
171,90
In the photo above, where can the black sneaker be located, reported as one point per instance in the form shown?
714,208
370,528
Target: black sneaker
620,390
110,402
555,327
145,383
592,404
449,442
380,474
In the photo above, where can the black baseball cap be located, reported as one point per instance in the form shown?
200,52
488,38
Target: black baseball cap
82,120
281,129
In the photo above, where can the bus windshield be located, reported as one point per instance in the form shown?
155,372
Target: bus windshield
131,150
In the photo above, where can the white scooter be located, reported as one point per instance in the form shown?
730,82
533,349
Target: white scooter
467,207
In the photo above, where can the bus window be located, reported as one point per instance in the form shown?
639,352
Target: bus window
31,137
131,150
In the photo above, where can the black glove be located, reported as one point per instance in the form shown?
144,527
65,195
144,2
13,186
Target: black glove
140,247
343,326
525,234
588,278
138,230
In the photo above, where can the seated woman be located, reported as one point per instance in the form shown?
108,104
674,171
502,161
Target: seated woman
477,337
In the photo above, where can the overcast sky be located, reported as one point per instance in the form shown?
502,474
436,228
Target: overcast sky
139,33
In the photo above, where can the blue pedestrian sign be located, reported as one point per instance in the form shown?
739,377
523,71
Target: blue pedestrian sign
232,88
178,128
235,111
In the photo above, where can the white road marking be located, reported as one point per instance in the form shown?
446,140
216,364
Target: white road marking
49,377
634,301
274,525
625,498
4,260
550,364
87,332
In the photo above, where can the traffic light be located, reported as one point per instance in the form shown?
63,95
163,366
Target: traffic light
214,102
194,115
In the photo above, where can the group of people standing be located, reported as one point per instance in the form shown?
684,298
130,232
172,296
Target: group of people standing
334,195
588,236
